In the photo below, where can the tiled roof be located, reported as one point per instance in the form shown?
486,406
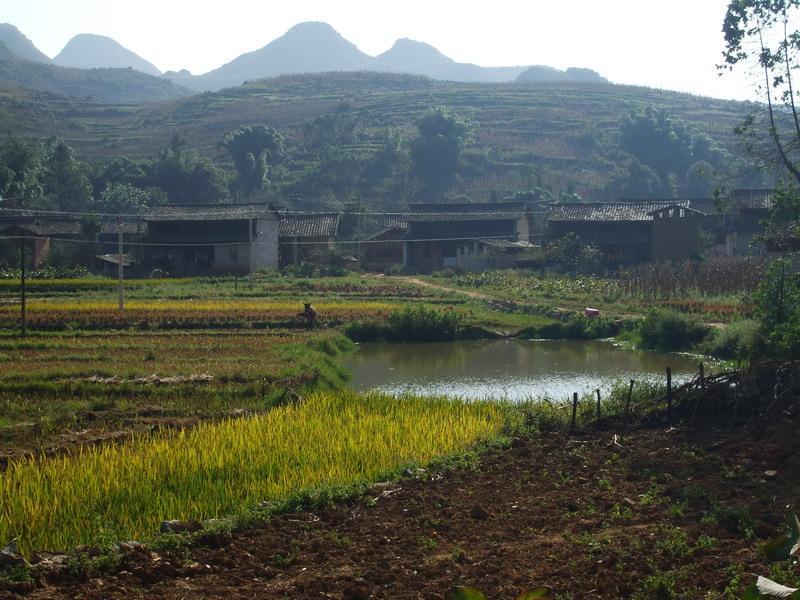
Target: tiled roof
309,226
752,199
66,227
210,212
399,232
503,244
494,211
395,221
617,211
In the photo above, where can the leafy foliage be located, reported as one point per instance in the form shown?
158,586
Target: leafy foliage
668,330
436,149
777,302
253,149
411,323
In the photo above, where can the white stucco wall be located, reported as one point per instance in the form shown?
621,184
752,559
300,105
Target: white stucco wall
265,243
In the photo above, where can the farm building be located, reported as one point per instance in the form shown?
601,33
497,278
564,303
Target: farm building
197,239
630,232
437,232
635,231
746,210
304,237
42,234
481,255
384,249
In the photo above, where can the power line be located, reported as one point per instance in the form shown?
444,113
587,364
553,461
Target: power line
225,213
472,238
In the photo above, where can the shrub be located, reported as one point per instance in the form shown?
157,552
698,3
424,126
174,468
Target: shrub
577,327
668,331
409,324
741,339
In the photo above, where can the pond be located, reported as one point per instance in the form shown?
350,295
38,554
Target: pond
510,369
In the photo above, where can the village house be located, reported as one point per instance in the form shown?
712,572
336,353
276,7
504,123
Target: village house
384,249
305,237
41,234
197,239
438,234
630,232
746,212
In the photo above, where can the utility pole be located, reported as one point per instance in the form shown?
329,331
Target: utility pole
119,266
22,323
250,243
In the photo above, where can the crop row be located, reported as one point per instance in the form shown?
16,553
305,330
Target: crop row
214,470
169,314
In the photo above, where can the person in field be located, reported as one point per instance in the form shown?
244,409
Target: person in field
310,314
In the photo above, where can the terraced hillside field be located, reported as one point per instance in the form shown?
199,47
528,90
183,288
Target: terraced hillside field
564,134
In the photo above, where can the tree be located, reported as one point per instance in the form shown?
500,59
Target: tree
20,166
436,149
254,150
666,144
759,33
187,177
638,182
127,199
699,180
64,179
118,170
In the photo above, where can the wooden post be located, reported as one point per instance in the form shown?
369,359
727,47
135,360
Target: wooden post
574,409
628,402
669,395
250,244
598,408
702,376
120,267
22,322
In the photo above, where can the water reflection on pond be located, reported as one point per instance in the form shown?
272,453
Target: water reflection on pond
512,369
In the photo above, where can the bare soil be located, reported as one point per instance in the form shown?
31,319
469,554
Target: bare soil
655,513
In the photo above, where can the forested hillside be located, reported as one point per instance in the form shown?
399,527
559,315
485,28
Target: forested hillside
352,135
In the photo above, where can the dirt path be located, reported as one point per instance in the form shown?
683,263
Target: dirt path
583,514
444,288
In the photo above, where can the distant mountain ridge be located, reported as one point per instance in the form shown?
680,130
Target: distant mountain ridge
21,46
90,51
100,85
306,48
315,47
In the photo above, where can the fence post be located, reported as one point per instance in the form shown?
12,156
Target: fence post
22,320
628,402
669,395
120,266
598,408
702,376
574,409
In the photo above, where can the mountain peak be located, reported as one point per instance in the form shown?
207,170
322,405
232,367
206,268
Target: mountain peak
92,51
409,56
19,45
312,28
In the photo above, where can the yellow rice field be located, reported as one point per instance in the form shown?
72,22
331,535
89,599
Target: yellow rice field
219,469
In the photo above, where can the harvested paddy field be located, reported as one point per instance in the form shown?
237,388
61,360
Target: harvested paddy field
653,513
75,388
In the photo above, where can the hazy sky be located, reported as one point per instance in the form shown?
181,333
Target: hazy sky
672,44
